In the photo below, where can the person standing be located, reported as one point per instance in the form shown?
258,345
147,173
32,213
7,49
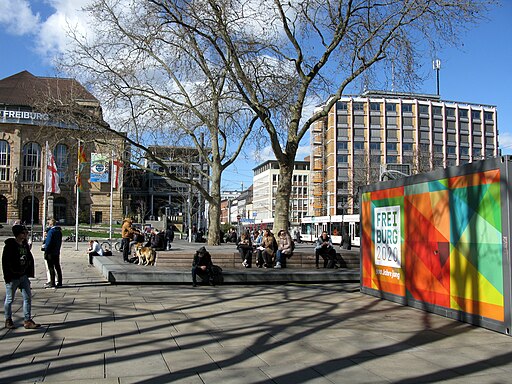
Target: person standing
52,245
17,267
127,233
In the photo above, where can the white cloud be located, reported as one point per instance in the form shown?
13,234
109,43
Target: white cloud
18,18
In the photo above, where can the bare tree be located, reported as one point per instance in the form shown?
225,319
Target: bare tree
284,55
161,84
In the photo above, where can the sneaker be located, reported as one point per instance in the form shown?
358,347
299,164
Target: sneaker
244,263
9,324
278,266
29,324
48,286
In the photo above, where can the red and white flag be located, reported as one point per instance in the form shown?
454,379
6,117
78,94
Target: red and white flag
116,171
52,175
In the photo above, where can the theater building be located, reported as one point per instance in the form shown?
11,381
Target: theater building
32,115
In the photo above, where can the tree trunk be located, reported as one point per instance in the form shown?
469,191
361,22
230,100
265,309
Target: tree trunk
284,190
214,206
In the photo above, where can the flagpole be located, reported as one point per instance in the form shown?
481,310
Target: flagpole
111,197
77,197
45,193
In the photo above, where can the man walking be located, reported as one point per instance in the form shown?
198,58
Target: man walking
52,245
17,267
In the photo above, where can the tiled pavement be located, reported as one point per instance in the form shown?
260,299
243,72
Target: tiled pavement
94,332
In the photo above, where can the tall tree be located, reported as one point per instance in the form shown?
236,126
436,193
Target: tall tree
159,83
284,55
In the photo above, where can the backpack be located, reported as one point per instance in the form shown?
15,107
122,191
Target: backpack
217,275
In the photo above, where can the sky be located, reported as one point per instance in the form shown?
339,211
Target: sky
477,71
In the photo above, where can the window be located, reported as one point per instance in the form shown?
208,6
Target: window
391,120
424,108
358,106
475,115
450,112
359,120
407,147
359,132
61,155
358,145
391,107
407,121
438,149
391,147
392,159
450,150
464,151
31,162
343,159
408,135
406,108
5,160
489,116
342,105
392,133
375,107
375,120
341,146
424,123
374,146
450,124
463,113
437,110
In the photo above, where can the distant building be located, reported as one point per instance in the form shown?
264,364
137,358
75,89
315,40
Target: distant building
265,181
378,131
35,110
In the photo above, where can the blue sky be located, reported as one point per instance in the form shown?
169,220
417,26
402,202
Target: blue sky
477,71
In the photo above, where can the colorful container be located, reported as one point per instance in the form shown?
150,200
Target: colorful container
440,242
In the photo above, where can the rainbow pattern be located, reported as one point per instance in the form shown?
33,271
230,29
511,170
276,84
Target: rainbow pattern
451,244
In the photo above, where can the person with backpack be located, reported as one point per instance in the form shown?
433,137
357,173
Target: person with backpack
325,249
284,249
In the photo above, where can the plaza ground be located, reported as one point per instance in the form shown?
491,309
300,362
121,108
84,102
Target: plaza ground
97,332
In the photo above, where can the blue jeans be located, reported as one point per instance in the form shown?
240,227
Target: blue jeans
281,258
23,283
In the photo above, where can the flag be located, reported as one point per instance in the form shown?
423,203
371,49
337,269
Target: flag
82,160
52,176
115,172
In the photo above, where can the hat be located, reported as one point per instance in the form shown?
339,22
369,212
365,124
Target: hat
17,229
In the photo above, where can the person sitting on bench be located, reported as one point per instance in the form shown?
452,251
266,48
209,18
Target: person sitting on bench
325,249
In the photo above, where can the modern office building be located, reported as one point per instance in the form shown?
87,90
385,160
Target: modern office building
377,131
61,112
265,181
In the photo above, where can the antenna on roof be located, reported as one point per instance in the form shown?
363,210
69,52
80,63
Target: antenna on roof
436,65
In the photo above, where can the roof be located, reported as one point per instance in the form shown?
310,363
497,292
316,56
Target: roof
24,89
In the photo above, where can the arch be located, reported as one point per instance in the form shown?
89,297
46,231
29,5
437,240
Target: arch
3,209
59,209
26,210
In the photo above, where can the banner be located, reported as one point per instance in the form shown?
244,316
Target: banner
52,175
99,168
82,160
117,165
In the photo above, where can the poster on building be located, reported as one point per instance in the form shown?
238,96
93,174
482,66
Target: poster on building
387,237
99,168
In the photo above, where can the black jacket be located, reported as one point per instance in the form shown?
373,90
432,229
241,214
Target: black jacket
17,260
202,258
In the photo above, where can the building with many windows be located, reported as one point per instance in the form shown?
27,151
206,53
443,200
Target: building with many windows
364,135
29,120
265,181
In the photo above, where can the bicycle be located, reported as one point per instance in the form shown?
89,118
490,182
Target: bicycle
109,244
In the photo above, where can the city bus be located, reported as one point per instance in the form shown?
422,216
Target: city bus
312,227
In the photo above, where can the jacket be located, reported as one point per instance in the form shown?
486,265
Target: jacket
202,257
53,241
320,243
17,260
285,244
